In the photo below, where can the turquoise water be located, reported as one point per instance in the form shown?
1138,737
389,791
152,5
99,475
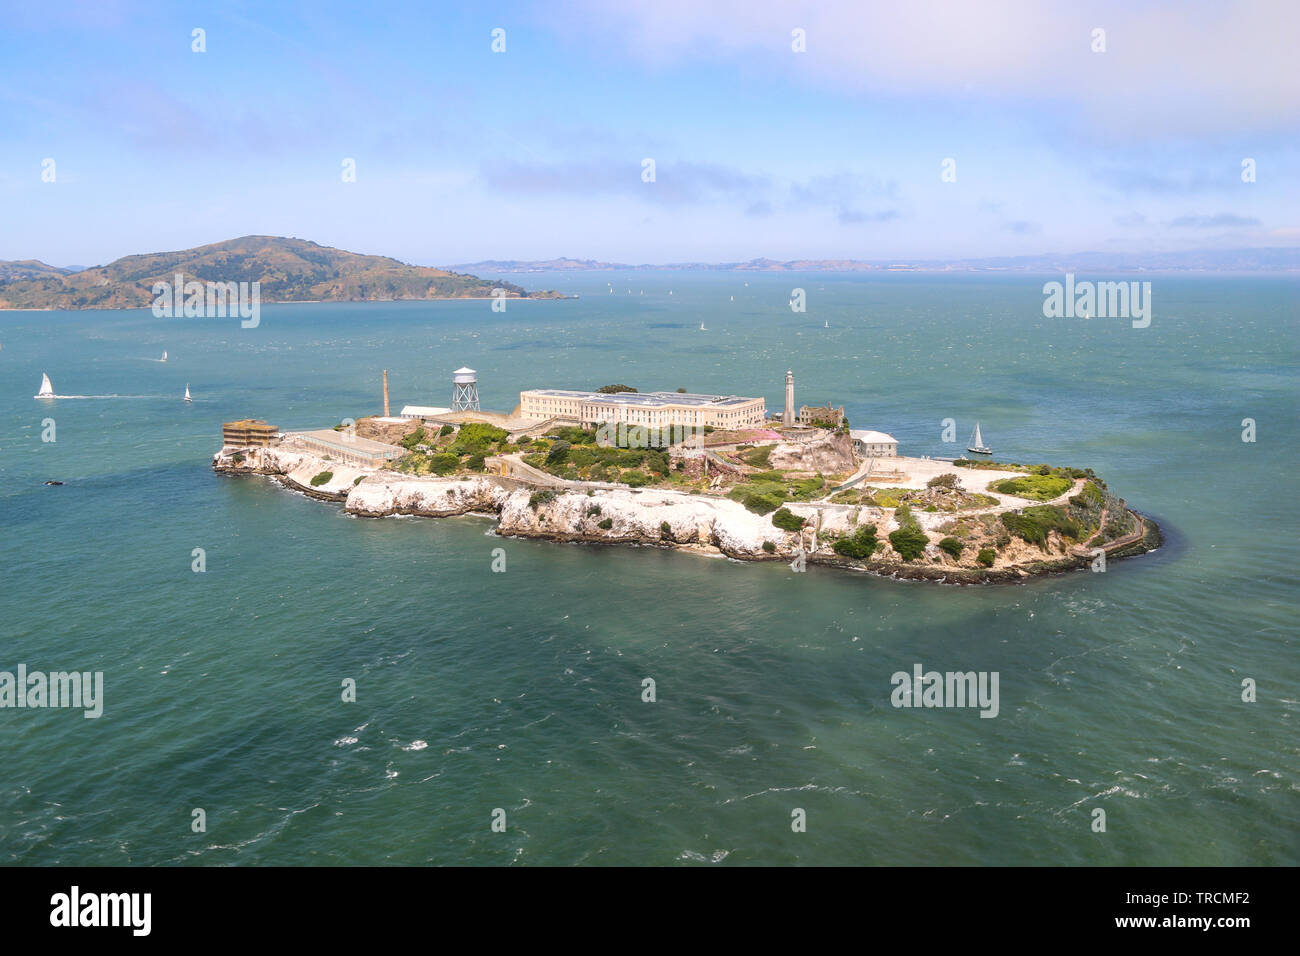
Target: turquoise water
1119,691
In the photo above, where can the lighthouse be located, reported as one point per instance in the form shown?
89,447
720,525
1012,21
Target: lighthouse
788,417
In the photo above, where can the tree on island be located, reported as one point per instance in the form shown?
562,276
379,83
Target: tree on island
611,389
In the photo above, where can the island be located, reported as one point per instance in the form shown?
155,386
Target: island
287,270
568,466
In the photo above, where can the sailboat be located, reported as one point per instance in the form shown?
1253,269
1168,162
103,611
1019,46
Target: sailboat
977,443
47,390
187,394
164,358
827,325
702,328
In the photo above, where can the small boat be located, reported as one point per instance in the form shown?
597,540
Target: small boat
164,358
702,328
733,298
54,482
47,390
977,443
187,394
827,325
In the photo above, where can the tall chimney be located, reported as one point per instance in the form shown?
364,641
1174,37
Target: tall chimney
788,417
385,393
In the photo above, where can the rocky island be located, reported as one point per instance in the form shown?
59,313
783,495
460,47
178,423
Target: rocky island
754,495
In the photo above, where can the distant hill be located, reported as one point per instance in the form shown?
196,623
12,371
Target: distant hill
1271,259
29,269
290,270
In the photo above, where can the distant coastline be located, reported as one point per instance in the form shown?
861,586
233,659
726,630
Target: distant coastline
1271,260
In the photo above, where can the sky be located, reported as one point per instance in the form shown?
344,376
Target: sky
462,153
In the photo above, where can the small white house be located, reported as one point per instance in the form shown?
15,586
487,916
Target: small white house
873,444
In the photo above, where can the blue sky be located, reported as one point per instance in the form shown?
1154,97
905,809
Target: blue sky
465,154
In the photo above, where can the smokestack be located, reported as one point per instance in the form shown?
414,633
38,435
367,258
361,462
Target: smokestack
385,393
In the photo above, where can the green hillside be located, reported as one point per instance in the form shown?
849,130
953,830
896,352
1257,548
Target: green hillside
290,270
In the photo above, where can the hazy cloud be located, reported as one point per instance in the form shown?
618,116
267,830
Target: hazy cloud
1223,220
675,182
1168,68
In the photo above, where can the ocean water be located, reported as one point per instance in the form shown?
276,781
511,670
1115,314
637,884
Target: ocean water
522,690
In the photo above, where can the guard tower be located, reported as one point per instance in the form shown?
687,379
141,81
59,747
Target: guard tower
464,390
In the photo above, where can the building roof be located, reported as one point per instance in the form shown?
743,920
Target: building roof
867,435
645,399
248,423
346,442
423,410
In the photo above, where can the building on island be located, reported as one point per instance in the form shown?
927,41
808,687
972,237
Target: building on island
344,446
787,417
650,409
422,411
873,444
248,432
815,414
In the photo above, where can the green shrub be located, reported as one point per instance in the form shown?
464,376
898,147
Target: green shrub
321,478
761,504
237,457
581,457
986,557
1035,524
952,546
665,530
593,510
769,547
859,545
444,463
946,480
574,434
606,524
787,520
634,479
558,453
1036,487
909,541
357,480
544,496
475,463
446,430
757,457
415,438
475,438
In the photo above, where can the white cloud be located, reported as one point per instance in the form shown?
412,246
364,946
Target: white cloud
1170,68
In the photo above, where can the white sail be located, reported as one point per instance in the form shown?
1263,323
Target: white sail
979,439
187,394
164,358
46,388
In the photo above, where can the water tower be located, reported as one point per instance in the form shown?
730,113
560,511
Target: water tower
464,390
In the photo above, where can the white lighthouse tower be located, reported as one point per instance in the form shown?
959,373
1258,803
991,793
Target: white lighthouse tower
464,390
788,417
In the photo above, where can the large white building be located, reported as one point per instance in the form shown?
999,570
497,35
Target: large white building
651,409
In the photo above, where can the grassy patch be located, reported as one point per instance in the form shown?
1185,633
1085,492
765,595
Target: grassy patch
321,478
1034,487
